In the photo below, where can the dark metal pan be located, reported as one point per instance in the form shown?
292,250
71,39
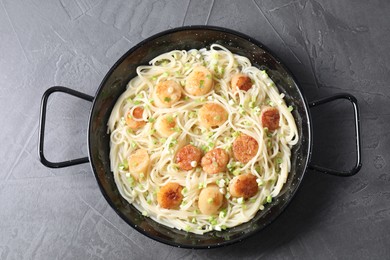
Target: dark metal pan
195,37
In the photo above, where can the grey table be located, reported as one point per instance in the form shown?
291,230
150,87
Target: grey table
331,46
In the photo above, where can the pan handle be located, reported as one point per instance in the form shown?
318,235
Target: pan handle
358,164
42,122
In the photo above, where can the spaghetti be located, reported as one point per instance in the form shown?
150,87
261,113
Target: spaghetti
193,100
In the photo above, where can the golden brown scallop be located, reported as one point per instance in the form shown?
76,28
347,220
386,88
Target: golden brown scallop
245,148
134,120
199,82
270,118
244,186
212,115
188,157
241,81
169,196
165,125
215,161
167,93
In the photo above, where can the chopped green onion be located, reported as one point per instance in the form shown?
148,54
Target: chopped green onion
151,120
170,119
201,83
290,108
236,172
210,200
137,102
269,199
187,228
167,99
222,213
165,74
240,200
144,213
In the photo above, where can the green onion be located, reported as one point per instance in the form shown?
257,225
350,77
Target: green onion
137,102
187,228
167,99
201,83
210,200
290,108
144,213
170,119
165,74
269,199
133,144
151,120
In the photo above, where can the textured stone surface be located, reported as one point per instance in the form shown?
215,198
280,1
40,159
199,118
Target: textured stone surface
331,46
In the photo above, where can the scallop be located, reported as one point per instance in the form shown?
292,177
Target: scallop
212,115
210,200
167,93
199,82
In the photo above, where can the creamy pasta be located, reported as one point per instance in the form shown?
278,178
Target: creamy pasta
201,140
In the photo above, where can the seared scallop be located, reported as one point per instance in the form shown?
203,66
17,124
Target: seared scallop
169,196
241,81
270,118
215,161
167,93
134,120
138,163
212,115
245,148
188,157
199,82
165,125
244,186
210,200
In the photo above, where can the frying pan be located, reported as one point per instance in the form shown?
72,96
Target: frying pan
186,38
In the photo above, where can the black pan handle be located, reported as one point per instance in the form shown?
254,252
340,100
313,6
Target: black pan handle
42,122
358,164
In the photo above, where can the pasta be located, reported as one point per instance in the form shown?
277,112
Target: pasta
201,140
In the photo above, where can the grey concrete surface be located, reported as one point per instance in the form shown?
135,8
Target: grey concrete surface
331,46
